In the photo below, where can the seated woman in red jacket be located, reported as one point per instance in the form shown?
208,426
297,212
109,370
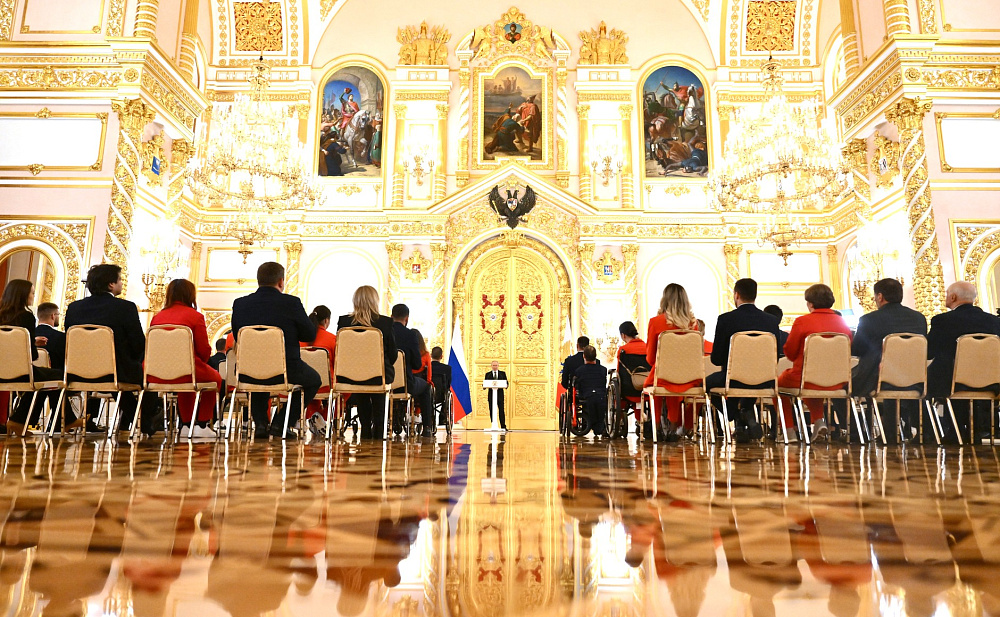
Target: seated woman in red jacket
675,313
633,347
821,318
182,310
320,316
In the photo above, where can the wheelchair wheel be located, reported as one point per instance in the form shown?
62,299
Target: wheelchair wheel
616,420
582,426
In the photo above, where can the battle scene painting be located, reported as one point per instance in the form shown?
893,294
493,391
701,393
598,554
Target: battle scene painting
351,128
673,110
513,115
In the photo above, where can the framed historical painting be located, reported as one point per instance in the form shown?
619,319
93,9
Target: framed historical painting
675,134
514,110
351,127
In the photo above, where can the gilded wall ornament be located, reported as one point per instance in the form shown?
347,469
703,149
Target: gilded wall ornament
6,19
885,162
257,26
48,77
608,268
770,25
513,34
603,47
154,160
423,46
416,267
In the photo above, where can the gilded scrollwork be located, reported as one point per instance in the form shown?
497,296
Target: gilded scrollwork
152,149
49,77
6,19
732,252
526,39
395,252
770,25
257,26
586,285
607,268
416,268
293,252
631,276
885,163
423,45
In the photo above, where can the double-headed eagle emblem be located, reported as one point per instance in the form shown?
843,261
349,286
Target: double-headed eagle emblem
512,210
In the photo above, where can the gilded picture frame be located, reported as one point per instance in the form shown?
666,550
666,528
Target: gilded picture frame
539,84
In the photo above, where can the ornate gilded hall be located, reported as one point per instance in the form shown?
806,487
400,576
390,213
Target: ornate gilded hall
634,137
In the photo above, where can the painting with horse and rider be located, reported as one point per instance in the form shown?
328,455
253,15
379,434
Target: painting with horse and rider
351,133
673,106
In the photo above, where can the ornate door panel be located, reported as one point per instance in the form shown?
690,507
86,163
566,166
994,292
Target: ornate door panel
511,310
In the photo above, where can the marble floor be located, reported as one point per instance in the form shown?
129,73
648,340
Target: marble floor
520,524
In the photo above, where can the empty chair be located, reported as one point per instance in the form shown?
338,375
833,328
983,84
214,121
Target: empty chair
902,376
752,371
16,371
976,376
260,369
679,371
359,368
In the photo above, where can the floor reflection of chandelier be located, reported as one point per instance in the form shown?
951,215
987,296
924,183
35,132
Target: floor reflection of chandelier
779,162
253,163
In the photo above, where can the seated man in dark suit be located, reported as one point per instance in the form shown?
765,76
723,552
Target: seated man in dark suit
571,363
890,318
942,341
55,344
419,389
774,309
220,354
745,317
441,378
103,308
592,390
269,306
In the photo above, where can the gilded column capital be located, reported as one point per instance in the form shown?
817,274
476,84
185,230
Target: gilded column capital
908,114
732,251
133,114
181,151
831,253
394,249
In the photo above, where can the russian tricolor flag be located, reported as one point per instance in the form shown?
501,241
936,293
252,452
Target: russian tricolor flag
459,375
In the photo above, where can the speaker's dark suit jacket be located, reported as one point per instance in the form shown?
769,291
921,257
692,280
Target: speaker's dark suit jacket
56,344
743,318
270,307
867,345
942,339
497,375
122,317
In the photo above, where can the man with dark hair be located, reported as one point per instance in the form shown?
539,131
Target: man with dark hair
571,363
774,309
48,326
891,317
496,374
103,308
269,306
441,377
592,389
418,387
220,354
745,317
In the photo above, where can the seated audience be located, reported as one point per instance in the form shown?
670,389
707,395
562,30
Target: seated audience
103,308
707,343
774,309
418,387
425,357
891,317
592,390
55,340
320,317
18,295
371,406
744,318
821,318
181,309
220,354
571,363
270,306
631,360
964,317
441,378
675,313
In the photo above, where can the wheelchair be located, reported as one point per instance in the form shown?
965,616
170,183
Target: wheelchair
624,398
572,416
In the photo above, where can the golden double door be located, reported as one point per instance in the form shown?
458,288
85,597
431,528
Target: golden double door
512,316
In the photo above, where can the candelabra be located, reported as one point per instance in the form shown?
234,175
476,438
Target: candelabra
871,259
418,162
607,161
163,259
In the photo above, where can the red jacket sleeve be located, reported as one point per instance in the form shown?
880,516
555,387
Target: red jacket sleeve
795,341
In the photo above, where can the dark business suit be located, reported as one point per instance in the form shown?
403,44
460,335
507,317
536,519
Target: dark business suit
217,359
418,387
743,318
441,378
570,364
268,306
498,374
942,339
371,406
26,320
892,318
56,345
591,390
122,316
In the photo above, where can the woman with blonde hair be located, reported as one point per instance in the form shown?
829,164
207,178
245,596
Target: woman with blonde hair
674,314
366,314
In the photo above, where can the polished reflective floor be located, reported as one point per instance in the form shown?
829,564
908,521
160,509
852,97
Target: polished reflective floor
520,524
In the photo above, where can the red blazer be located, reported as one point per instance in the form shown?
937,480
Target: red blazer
425,365
324,339
657,325
820,320
180,315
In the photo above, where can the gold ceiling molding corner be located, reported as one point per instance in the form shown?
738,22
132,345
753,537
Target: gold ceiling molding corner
257,26
770,25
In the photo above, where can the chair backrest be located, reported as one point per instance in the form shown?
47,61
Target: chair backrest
170,354
680,357
318,359
260,353
977,361
15,355
826,360
90,352
359,356
226,367
904,361
399,380
753,358
44,360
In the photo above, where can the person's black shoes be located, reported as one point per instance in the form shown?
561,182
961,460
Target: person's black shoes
749,420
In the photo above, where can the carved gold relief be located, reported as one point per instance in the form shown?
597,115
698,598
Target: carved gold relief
770,25
153,149
423,46
257,26
416,267
986,78
885,162
732,252
293,251
69,240
603,47
608,268
49,77
6,19
526,39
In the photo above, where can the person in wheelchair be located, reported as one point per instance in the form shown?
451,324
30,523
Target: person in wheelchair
591,382
632,366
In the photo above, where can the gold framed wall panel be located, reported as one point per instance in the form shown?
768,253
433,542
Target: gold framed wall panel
26,28
785,284
45,114
939,118
239,281
947,27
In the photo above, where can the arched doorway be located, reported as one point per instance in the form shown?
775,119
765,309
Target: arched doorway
33,265
511,312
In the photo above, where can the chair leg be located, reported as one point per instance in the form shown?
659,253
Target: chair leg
386,428
781,419
135,420
334,407
954,420
302,416
857,420
229,424
877,417
113,417
806,435
194,416
55,412
288,412
652,419
932,418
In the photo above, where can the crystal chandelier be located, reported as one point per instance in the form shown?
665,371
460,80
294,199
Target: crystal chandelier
778,162
253,163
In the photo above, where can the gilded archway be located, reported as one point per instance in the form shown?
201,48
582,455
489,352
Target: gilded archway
62,244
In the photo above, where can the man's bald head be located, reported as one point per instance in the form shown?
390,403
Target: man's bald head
959,293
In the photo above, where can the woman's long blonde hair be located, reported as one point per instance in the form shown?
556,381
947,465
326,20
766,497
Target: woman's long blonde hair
676,306
365,306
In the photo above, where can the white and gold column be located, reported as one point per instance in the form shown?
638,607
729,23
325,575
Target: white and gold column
145,19
586,285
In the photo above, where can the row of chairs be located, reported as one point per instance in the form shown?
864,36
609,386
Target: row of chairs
753,370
